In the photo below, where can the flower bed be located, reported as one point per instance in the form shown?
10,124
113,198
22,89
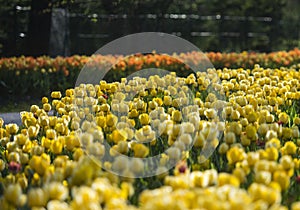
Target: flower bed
36,76
250,120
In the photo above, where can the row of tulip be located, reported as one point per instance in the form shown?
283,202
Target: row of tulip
28,75
235,141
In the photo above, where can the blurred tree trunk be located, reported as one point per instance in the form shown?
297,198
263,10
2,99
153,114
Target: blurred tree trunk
39,28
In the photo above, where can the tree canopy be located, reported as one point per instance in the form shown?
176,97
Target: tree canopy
282,31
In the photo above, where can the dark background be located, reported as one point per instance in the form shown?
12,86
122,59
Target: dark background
64,27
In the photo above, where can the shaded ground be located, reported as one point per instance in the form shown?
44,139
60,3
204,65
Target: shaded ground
8,105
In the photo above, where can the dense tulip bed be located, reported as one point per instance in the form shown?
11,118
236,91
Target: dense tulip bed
28,75
58,158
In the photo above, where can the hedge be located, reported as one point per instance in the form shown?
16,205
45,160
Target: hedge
39,76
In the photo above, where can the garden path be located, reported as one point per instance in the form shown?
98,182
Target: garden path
13,117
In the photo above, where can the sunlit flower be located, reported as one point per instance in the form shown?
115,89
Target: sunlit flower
282,179
12,128
56,94
57,205
229,138
57,191
228,179
263,177
176,116
13,194
283,117
37,197
140,150
251,132
56,146
235,155
289,148
286,162
85,198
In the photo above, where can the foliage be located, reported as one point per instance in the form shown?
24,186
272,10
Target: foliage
36,76
252,33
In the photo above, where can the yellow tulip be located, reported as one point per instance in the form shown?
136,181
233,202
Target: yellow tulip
33,131
1,122
37,197
289,148
119,135
12,128
47,107
77,154
167,100
224,179
22,181
296,121
229,138
235,155
223,148
13,194
272,153
282,179
252,117
144,119
286,162
296,206
44,100
45,142
240,174
111,120
283,117
2,165
251,132
51,134
176,116
199,140
263,177
56,94
21,139
274,142
57,191
140,151
56,147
